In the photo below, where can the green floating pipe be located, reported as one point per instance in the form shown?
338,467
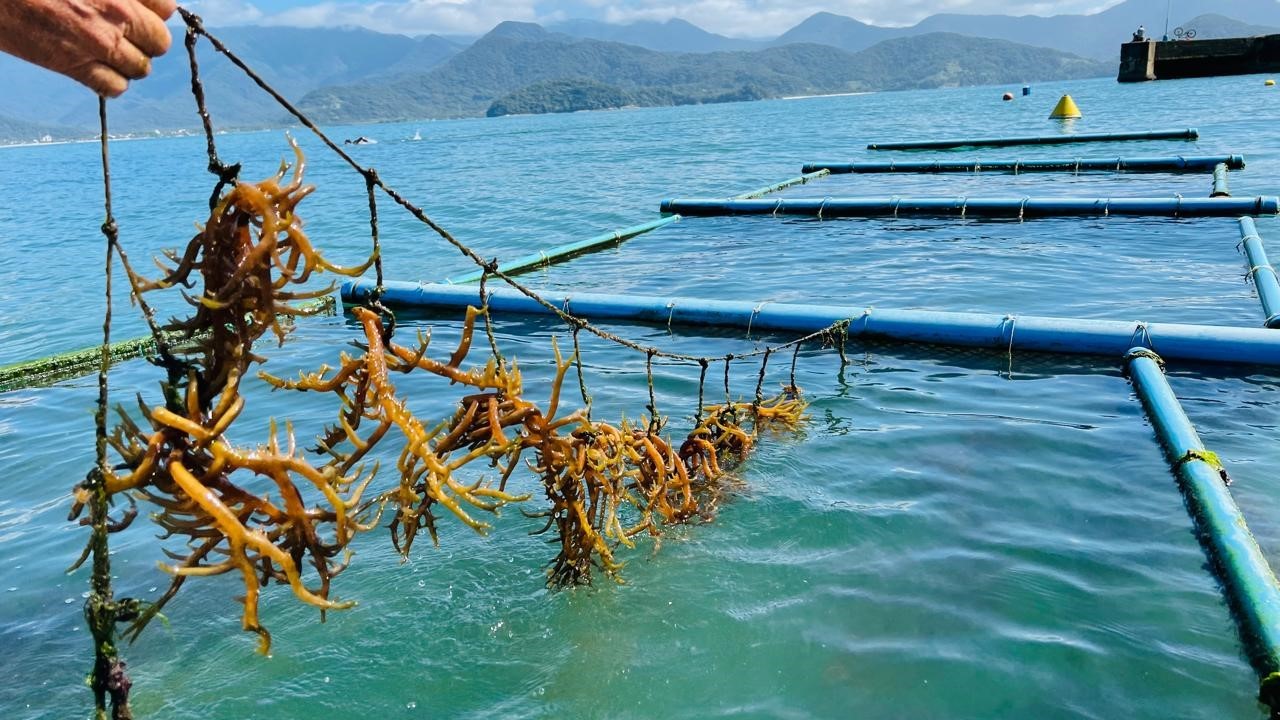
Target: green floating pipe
1220,181
1187,134
1173,164
1026,207
1262,272
807,177
51,369
1247,579
1207,343
561,253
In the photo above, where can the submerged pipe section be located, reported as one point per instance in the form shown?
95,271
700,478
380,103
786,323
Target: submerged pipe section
1025,207
1220,181
1172,164
808,177
561,253
1248,580
1262,272
1187,134
1205,343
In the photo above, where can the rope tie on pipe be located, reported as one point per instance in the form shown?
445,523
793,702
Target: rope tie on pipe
1016,163
1177,208
1207,457
1119,164
671,311
822,206
1022,208
1142,336
977,166
1248,275
751,320
1243,238
896,202
777,206
964,207
1012,322
1182,161
1106,208
1077,170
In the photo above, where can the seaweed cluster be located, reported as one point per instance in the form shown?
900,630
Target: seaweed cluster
273,513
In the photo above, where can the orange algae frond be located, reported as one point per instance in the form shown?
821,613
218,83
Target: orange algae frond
604,484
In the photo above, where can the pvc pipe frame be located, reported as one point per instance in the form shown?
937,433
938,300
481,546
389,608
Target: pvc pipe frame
1021,208
561,253
807,177
1172,164
1203,343
1248,581
1220,181
1187,134
1262,272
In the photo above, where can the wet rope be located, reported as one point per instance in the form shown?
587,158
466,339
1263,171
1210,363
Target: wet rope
101,612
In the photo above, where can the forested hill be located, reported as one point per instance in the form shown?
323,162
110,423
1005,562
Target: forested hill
13,130
517,55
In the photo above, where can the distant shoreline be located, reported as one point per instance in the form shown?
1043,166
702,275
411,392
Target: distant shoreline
825,95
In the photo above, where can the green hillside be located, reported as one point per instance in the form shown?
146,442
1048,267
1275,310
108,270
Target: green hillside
516,56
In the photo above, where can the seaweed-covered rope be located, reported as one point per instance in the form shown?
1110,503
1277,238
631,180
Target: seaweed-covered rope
101,611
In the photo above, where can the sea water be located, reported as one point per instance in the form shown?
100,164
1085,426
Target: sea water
953,534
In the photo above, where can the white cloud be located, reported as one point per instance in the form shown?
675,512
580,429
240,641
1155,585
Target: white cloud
225,12
410,17
740,18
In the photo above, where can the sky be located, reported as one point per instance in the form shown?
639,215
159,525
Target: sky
736,18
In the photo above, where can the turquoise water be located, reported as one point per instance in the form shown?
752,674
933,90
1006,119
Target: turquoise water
955,534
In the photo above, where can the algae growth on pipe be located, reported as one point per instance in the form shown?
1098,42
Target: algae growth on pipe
1112,338
1185,134
568,251
1220,181
1172,164
1248,580
808,176
1006,207
1262,272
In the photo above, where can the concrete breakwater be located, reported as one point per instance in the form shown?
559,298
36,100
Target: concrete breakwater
1157,60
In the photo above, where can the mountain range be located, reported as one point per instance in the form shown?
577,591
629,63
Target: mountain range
356,74
517,55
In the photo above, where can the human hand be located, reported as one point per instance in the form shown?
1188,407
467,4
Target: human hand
100,43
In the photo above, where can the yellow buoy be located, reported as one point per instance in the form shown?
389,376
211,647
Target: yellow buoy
1269,82
1066,108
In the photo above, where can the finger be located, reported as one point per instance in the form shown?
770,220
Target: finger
147,30
100,78
163,8
128,60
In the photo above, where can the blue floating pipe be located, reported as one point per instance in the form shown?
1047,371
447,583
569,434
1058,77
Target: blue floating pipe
807,177
1025,207
1205,343
561,253
1187,134
1248,580
1173,164
1262,272
1220,181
